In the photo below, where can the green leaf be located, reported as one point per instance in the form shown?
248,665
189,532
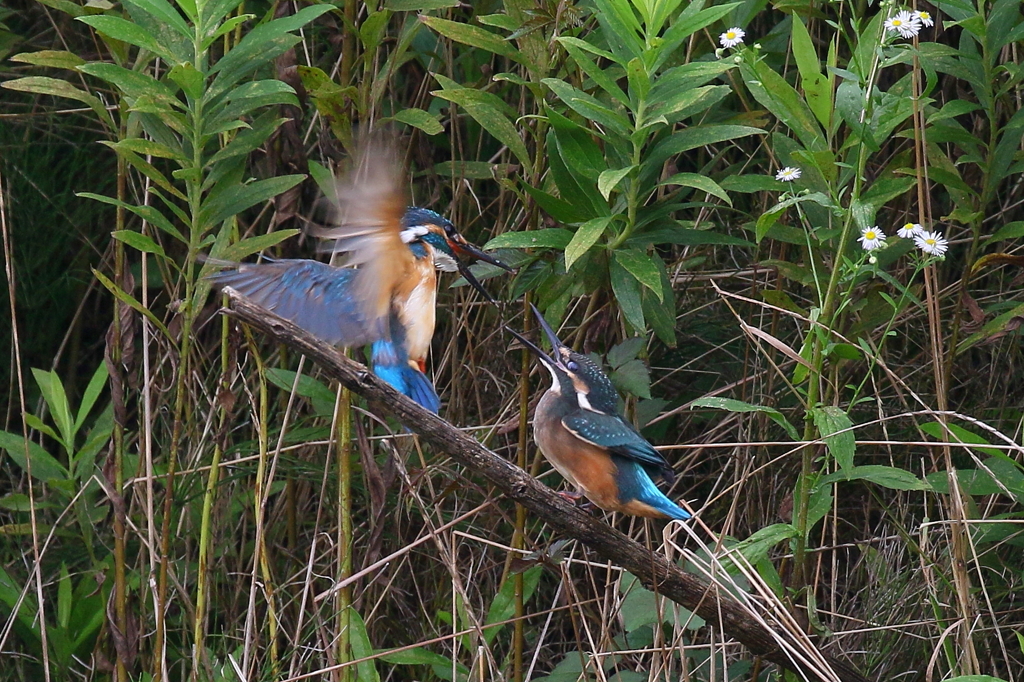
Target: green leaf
1013,230
698,136
418,118
323,398
251,245
165,14
488,115
589,107
686,25
259,46
55,59
57,400
639,81
748,184
679,104
64,597
740,406
92,392
633,378
53,86
233,200
575,47
132,303
549,238
44,466
585,237
608,179
36,423
373,28
817,88
755,548
148,147
129,32
226,27
642,267
133,84
885,476
503,605
626,351
419,6
323,177
147,213
699,182
779,97
359,641
958,434
188,79
138,241
836,429
473,36
627,292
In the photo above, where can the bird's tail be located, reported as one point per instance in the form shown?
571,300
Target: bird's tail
392,365
669,508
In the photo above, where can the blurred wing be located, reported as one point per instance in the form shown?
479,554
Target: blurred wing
313,295
615,435
371,201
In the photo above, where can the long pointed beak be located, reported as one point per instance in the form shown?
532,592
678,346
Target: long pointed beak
473,281
541,355
461,246
556,343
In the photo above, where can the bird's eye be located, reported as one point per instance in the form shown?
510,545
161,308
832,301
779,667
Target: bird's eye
571,366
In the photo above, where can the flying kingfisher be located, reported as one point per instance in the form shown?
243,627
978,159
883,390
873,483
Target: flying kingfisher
385,292
581,431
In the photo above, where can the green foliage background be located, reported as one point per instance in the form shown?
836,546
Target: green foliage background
198,502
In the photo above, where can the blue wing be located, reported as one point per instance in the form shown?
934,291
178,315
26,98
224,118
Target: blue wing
315,296
634,482
615,435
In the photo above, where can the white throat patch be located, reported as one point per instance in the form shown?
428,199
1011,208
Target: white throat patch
442,261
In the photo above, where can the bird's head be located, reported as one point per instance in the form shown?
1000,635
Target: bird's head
448,247
573,372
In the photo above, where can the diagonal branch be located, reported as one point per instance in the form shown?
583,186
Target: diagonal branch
655,571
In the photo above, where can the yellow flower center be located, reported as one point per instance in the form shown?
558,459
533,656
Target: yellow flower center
930,242
731,35
908,226
924,15
897,22
869,235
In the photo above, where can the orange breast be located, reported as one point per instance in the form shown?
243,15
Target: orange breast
416,300
586,466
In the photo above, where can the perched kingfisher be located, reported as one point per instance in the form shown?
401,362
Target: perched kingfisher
385,293
581,431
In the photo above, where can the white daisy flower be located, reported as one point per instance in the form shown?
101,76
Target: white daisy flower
910,230
932,243
788,174
924,18
732,37
904,23
872,238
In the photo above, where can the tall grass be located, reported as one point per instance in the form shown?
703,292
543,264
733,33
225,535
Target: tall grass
205,506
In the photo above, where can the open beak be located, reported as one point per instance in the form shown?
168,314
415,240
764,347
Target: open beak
550,360
462,247
553,339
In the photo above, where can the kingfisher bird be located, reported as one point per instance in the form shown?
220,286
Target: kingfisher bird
386,291
581,430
